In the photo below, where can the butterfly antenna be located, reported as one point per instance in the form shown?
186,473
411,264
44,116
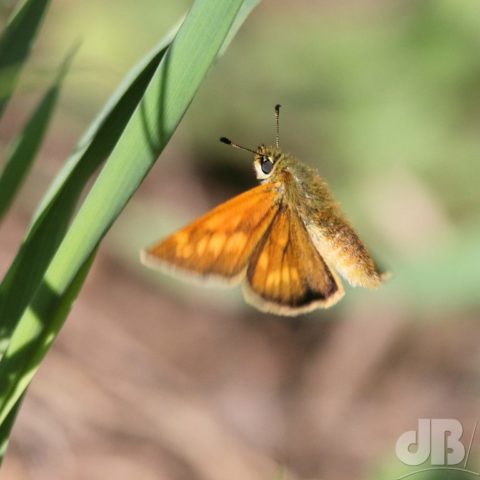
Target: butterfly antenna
227,141
277,125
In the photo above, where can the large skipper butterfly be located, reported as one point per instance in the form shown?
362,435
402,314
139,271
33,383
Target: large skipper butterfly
286,239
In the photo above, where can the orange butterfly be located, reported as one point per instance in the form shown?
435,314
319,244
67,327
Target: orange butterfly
286,239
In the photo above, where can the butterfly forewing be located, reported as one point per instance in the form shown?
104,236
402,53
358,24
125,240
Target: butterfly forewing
286,274
220,243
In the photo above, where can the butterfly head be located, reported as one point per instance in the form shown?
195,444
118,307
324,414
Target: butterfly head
266,160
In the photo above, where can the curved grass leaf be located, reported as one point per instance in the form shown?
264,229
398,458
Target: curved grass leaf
56,316
7,425
153,122
28,143
55,212
15,44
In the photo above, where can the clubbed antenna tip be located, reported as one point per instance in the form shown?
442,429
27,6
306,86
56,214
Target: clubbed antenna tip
236,145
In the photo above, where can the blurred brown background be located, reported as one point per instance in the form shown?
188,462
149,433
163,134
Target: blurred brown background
153,378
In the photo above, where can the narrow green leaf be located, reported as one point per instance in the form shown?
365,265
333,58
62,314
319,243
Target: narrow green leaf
7,425
26,146
151,126
51,221
54,214
55,313
16,42
168,95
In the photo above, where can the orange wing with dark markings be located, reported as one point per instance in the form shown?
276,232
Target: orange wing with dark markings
286,274
220,243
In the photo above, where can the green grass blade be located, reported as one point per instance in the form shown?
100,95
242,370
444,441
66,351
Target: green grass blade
26,146
55,313
7,425
151,126
166,99
55,212
16,42
98,141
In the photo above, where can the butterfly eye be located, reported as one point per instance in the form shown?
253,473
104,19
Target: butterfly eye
267,165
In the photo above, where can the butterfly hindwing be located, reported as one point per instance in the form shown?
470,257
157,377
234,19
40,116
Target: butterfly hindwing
341,246
220,243
286,274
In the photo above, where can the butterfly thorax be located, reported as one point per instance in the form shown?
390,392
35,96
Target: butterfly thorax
301,186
